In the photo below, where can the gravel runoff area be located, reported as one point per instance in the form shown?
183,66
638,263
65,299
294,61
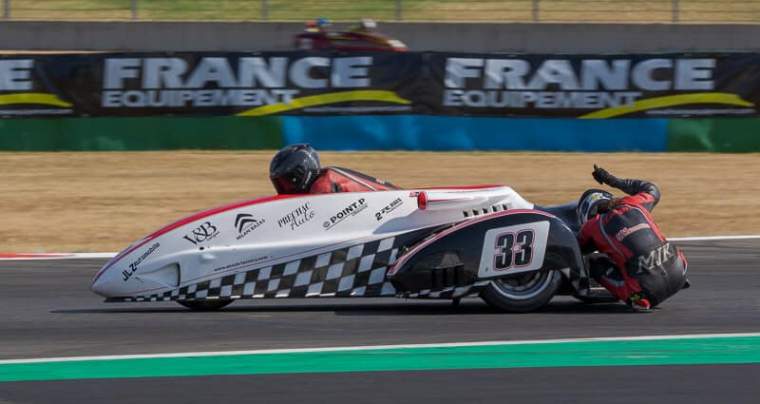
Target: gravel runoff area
102,201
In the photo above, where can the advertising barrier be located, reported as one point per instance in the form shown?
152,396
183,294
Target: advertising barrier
380,101
426,83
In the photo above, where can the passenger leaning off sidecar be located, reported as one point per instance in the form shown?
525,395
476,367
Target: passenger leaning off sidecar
645,269
295,169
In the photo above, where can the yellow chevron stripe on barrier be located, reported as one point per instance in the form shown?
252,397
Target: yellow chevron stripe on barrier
324,99
33,98
669,101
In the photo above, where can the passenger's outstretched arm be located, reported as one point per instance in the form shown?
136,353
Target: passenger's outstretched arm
643,192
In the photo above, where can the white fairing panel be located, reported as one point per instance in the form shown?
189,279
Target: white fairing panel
288,239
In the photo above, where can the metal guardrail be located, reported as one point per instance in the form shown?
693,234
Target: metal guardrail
662,11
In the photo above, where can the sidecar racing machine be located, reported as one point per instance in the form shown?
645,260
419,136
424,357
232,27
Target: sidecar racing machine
443,243
362,38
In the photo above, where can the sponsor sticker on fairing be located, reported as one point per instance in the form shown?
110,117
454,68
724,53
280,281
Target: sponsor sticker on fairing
245,223
242,263
351,210
203,233
388,209
298,217
134,265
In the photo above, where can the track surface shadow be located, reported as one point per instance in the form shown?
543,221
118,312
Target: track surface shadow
347,309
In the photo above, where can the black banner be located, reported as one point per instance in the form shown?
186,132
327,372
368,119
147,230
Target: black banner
270,83
592,86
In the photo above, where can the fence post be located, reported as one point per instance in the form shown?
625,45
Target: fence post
676,8
133,9
536,16
264,10
399,13
6,9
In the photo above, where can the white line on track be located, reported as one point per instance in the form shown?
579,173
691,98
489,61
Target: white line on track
709,238
375,347
68,256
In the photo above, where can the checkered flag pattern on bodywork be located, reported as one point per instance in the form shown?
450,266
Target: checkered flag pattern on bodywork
357,270
450,292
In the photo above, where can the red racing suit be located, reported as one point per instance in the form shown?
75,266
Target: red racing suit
337,179
645,263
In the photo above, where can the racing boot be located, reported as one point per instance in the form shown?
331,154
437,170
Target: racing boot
639,303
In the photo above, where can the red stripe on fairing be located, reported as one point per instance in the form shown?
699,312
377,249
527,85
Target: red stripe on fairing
402,260
465,187
187,220
213,211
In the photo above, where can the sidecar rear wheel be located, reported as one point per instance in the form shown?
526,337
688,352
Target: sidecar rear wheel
524,292
205,305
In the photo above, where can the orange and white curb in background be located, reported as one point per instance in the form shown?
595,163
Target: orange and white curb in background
52,256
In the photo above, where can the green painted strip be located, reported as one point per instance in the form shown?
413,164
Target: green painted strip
687,351
140,133
727,135
266,132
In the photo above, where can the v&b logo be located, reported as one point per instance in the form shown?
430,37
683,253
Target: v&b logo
202,233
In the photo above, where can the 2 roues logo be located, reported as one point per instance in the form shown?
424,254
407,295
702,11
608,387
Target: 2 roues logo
351,210
388,209
203,233
245,223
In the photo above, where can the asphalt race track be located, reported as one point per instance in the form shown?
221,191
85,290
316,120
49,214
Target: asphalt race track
48,311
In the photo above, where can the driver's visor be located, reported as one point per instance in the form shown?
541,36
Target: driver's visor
283,186
594,211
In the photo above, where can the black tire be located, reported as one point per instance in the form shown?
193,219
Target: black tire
522,293
205,305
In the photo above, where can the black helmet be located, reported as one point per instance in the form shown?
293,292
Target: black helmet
591,200
294,168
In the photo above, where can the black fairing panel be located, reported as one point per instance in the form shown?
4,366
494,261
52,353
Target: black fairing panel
452,258
567,212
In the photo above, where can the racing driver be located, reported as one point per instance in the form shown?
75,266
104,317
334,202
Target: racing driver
295,169
643,268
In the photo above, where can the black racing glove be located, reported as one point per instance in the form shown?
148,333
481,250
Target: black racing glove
602,176
629,186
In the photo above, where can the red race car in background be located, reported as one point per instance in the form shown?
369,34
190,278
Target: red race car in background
361,38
